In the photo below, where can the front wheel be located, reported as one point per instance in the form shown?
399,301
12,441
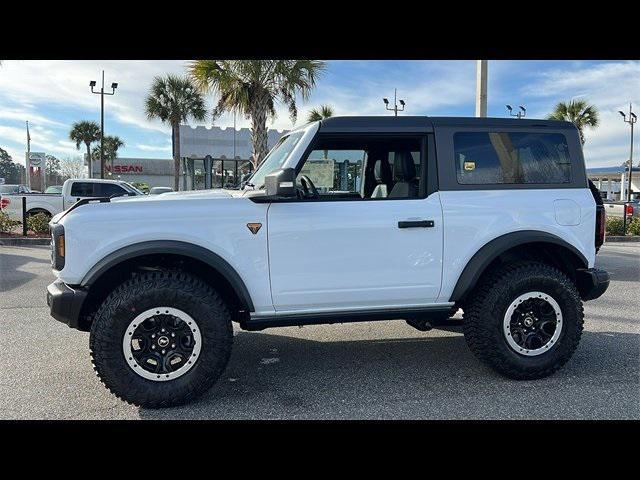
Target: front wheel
161,339
524,320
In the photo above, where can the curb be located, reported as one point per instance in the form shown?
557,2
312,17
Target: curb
616,238
24,242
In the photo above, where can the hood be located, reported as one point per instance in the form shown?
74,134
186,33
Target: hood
188,195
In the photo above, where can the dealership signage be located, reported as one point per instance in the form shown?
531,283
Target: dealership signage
37,159
125,169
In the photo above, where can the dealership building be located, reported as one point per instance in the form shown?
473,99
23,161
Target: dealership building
211,158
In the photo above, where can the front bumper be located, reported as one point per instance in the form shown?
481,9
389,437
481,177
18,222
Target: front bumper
65,303
592,282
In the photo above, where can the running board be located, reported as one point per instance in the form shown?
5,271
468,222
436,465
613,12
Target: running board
328,318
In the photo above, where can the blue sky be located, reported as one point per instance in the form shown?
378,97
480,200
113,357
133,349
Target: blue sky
54,94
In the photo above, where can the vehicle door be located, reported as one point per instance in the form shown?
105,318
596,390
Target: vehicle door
372,236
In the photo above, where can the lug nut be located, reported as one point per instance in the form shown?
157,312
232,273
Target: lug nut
164,351
153,347
153,335
173,345
173,334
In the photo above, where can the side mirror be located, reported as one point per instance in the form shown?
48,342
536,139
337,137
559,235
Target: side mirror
281,183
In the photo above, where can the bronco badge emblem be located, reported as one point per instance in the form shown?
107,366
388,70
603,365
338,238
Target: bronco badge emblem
254,227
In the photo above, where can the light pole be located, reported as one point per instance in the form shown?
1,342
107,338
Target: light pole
395,108
521,114
481,87
631,120
102,93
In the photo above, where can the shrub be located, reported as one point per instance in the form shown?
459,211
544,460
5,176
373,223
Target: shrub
6,224
38,223
633,228
614,226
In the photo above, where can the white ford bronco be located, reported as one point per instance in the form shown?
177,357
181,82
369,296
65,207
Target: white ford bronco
347,219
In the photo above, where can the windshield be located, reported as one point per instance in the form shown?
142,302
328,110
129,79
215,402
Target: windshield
13,189
131,188
275,159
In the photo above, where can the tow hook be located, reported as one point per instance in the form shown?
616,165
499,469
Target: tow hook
420,324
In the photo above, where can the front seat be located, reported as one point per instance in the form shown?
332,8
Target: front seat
404,172
382,174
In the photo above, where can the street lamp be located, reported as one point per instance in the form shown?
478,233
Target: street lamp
632,119
102,93
395,108
521,114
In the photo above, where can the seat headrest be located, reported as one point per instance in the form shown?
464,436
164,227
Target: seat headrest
403,167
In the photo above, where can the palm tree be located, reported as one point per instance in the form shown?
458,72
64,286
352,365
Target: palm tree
111,144
174,99
577,112
252,88
85,132
317,114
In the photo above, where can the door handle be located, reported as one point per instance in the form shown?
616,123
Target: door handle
415,224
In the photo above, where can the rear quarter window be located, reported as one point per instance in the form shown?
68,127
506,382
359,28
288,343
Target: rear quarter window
484,158
82,189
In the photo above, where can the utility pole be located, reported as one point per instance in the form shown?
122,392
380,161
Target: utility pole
481,87
632,119
395,108
102,93
27,170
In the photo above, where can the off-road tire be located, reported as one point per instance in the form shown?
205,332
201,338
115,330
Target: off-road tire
484,315
149,290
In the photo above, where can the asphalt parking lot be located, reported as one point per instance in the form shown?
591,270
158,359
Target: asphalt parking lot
374,370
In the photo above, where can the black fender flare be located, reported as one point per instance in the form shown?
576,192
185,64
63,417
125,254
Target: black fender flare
172,247
491,250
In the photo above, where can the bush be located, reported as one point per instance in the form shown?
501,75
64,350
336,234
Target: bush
614,226
142,186
6,224
633,228
38,223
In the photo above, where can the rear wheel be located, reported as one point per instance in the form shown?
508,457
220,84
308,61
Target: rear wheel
161,339
524,320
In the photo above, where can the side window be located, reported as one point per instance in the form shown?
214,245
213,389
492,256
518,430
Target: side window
511,158
82,189
365,168
108,189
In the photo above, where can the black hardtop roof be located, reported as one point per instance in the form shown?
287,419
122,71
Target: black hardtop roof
426,124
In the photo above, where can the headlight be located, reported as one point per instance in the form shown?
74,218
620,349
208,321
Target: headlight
57,247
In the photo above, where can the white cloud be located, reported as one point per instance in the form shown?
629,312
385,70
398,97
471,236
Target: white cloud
66,83
608,86
153,148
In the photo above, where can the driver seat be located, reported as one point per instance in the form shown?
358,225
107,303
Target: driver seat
404,171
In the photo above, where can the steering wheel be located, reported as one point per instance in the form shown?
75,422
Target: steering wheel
308,187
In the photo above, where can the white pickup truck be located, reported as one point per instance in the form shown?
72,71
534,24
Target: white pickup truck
72,191
348,219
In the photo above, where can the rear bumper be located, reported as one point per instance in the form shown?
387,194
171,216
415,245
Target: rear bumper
592,282
65,303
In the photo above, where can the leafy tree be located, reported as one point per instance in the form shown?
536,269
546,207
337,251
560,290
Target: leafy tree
173,100
252,88
73,167
85,132
9,170
317,114
579,113
111,146
52,165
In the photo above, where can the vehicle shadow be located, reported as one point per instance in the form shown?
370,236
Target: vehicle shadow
11,277
280,376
